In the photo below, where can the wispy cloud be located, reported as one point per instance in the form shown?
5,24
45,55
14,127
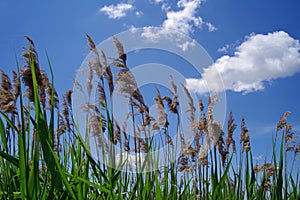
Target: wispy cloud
139,13
258,59
117,11
159,1
183,20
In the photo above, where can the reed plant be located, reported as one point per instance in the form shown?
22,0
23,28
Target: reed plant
45,155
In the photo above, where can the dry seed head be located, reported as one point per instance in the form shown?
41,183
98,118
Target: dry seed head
120,49
245,136
211,102
183,162
169,139
27,80
203,123
49,89
264,166
230,129
101,95
192,152
117,132
174,86
107,72
68,96
147,117
89,81
7,98
62,128
172,104
17,84
270,170
297,149
203,155
118,46
104,59
143,145
97,125
96,66
119,64
282,121
31,58
66,114
290,137
289,148
128,86
5,81
201,105
215,131
29,40
191,110
78,86
288,128
92,44
43,88
162,116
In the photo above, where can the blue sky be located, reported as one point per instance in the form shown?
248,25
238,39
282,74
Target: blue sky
259,34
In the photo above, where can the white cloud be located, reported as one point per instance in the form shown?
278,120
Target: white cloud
224,49
183,20
158,1
139,13
258,59
184,46
116,11
210,27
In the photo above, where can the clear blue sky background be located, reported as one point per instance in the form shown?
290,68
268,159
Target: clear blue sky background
59,27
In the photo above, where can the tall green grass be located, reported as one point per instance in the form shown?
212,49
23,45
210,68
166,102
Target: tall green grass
43,154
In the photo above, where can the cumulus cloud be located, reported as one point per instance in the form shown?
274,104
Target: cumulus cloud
259,59
116,11
183,20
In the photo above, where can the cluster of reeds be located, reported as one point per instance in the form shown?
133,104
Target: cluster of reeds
43,154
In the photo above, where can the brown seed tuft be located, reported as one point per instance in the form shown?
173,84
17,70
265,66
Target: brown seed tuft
282,121
230,129
7,98
120,49
92,44
245,136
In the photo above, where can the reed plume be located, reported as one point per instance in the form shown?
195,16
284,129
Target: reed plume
282,122
107,73
117,132
191,110
162,119
245,136
7,98
120,50
45,88
17,85
31,58
230,129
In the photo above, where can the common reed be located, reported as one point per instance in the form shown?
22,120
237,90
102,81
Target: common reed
44,154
